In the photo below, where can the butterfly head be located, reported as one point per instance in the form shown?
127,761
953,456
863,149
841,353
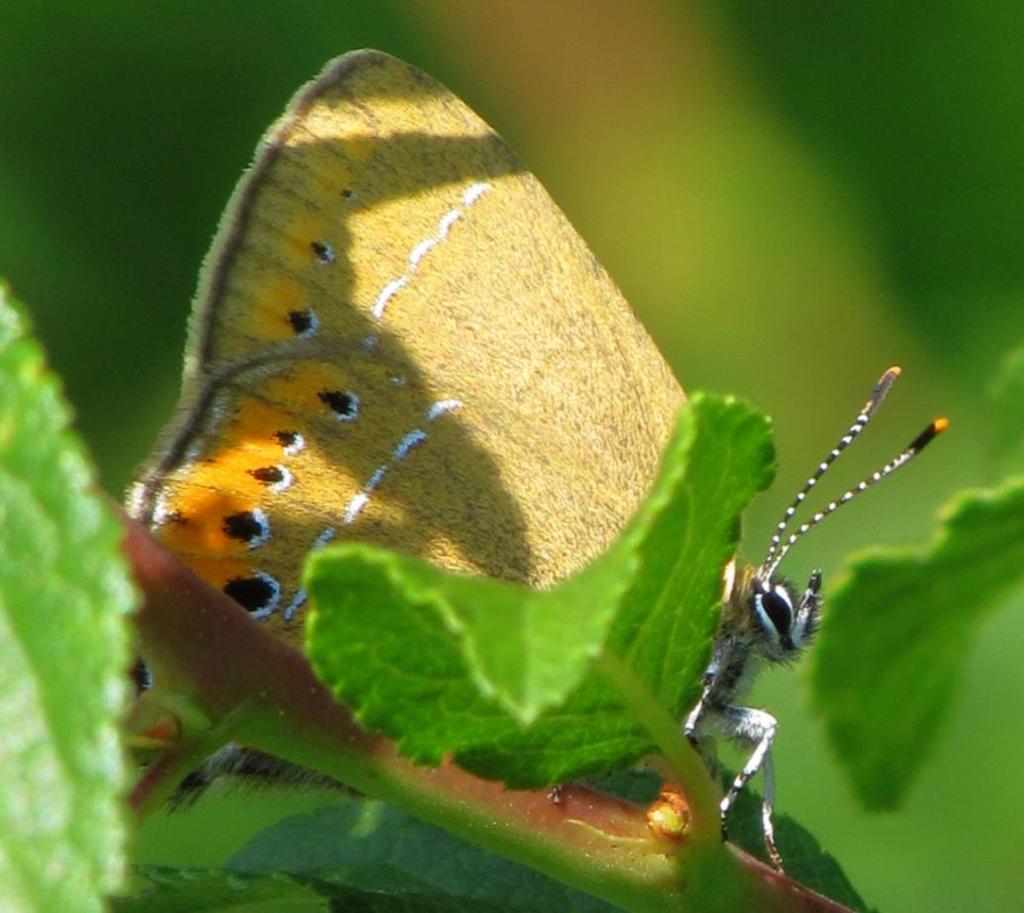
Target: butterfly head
785,620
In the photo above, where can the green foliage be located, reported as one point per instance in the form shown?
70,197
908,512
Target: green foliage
435,660
806,861
879,151
166,890
214,891
357,854
368,846
63,650
900,623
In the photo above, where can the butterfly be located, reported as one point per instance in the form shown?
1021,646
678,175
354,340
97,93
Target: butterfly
399,338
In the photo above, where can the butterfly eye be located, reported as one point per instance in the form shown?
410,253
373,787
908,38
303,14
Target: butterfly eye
775,612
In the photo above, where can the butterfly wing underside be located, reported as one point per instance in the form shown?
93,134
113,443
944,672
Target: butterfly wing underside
399,338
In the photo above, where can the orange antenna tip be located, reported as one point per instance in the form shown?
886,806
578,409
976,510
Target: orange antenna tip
931,431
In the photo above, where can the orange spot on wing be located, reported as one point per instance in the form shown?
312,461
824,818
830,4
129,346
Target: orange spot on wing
255,423
300,232
219,571
272,303
197,522
301,389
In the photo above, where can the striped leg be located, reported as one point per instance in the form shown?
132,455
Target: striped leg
693,720
767,807
702,742
757,728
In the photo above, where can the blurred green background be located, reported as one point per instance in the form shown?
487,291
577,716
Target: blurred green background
792,195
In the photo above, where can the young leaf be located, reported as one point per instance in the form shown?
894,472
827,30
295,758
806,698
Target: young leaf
896,633
367,846
63,649
443,663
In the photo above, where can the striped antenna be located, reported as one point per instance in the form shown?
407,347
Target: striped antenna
777,551
860,423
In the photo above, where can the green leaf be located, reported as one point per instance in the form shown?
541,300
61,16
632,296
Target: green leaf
164,890
514,645
896,633
367,846
806,861
1007,396
443,663
64,592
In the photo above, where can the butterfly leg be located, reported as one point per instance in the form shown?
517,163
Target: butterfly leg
767,808
758,728
705,709
694,718
806,622
813,591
